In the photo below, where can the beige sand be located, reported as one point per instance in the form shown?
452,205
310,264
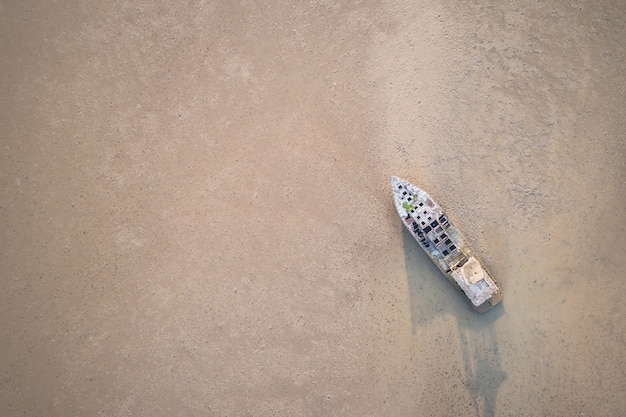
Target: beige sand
196,216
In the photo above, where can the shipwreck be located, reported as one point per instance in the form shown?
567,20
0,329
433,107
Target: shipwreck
444,245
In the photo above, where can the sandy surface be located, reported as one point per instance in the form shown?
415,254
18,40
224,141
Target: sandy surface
196,219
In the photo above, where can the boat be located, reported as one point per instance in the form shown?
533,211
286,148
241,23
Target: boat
445,245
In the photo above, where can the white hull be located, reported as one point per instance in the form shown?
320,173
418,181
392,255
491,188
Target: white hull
444,244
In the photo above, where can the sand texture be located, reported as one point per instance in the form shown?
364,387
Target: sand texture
196,216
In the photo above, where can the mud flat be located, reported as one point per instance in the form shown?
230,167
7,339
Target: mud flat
196,219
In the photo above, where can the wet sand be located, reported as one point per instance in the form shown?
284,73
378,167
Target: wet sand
196,215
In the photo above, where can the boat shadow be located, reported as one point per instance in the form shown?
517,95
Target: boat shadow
432,296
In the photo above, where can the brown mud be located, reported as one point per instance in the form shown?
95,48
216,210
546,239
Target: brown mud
196,215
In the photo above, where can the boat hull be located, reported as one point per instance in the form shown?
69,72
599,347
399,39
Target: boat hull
445,245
